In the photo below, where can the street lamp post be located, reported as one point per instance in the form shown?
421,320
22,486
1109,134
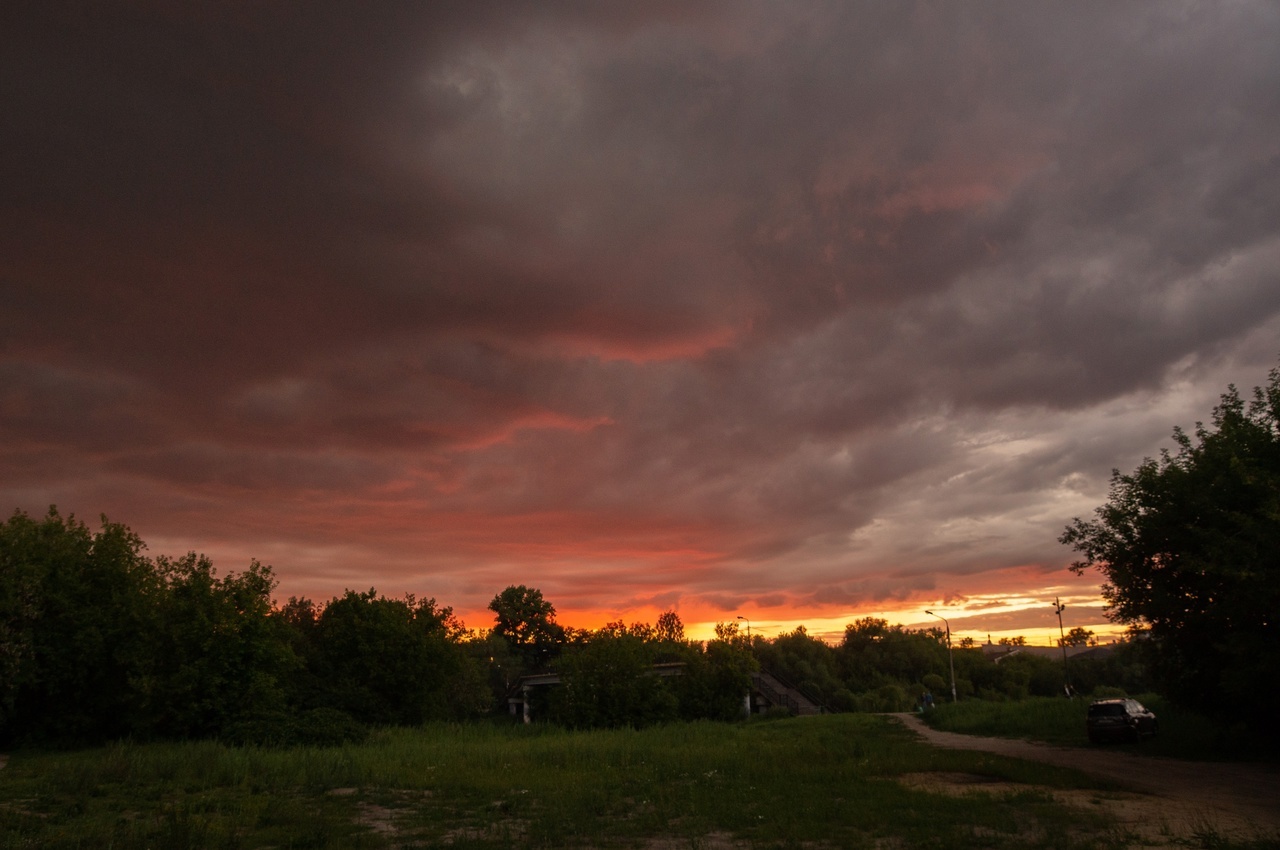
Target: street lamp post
746,702
1062,641
950,658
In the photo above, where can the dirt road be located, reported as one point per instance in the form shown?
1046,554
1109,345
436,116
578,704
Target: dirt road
1174,797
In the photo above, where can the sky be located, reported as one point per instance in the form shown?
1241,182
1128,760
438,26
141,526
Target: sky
788,310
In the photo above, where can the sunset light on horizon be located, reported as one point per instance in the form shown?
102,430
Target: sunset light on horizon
793,311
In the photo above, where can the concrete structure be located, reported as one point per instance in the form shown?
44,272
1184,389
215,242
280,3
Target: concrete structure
767,692
518,703
997,652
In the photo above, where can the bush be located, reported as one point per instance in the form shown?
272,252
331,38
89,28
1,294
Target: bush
319,727
844,700
609,682
322,727
775,712
893,698
262,729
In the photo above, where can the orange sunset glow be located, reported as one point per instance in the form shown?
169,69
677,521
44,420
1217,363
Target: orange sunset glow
794,312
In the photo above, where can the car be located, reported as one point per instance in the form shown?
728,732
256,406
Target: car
1119,720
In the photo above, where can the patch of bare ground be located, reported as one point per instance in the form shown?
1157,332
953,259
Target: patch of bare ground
378,818
394,821
710,841
1169,804
716,841
500,827
1150,820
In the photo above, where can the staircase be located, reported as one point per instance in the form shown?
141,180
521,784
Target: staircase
776,692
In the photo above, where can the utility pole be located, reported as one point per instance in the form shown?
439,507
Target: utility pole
1062,642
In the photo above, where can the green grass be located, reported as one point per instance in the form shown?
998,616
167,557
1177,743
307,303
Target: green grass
1183,734
815,782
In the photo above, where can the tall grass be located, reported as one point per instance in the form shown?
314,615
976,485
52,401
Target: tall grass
821,782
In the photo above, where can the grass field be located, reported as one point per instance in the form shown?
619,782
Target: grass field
823,782
1183,734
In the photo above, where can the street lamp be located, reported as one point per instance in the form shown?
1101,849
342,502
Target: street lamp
950,658
746,701
1062,641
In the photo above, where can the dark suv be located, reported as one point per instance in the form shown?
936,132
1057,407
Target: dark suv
1119,720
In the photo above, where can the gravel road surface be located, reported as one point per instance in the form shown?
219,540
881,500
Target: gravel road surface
1238,800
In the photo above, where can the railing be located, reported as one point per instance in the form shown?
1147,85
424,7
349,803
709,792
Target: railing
813,697
786,697
783,699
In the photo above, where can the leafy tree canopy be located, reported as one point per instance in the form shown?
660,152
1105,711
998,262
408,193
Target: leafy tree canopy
527,622
1079,636
98,641
669,628
1189,546
75,618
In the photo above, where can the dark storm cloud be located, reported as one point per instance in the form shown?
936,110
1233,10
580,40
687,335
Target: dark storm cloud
826,302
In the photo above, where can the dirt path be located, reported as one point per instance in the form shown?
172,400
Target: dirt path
1236,800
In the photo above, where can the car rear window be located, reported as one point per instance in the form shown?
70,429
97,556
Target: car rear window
1108,710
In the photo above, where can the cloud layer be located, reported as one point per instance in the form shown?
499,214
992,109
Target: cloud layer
794,308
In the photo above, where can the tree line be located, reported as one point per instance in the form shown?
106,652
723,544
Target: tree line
99,641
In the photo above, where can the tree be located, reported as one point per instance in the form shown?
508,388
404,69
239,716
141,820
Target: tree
669,628
716,680
1189,547
804,662
219,654
527,623
394,660
874,653
490,653
1078,636
76,628
609,681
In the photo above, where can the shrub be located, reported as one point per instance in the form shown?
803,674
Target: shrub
319,727
322,727
893,698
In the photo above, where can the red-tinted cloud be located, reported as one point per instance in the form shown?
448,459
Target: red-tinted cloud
782,309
